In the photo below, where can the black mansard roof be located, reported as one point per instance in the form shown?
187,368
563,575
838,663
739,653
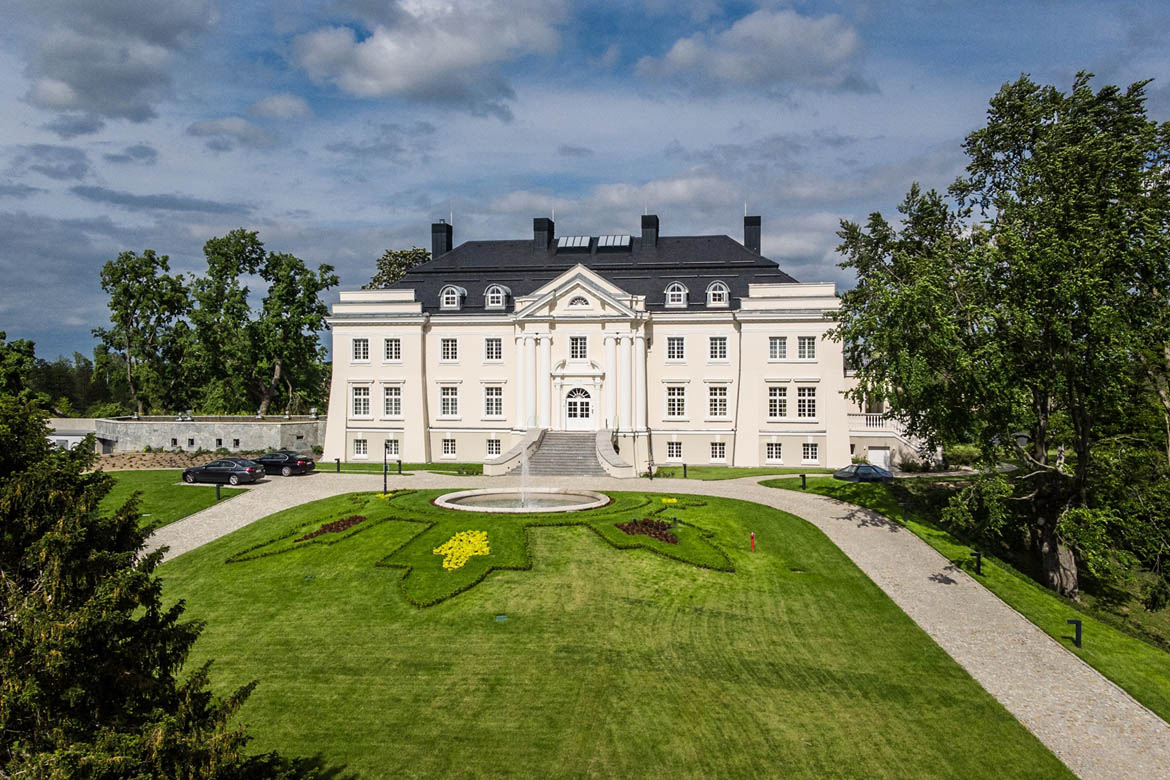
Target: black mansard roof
643,267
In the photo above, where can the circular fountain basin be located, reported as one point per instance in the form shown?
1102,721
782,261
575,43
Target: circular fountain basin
516,501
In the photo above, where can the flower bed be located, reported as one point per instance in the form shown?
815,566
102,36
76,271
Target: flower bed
655,529
336,527
459,548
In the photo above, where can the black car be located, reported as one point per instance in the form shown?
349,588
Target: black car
230,470
863,472
286,463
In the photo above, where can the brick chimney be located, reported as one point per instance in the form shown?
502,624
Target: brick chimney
649,230
543,232
751,233
442,234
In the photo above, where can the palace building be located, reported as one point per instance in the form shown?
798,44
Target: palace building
594,354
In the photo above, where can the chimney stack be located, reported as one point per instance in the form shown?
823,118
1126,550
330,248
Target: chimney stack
543,230
649,230
442,235
751,233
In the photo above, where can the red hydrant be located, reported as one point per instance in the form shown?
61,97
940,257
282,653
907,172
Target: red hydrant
753,541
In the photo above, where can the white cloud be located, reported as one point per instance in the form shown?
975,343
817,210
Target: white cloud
282,106
765,48
224,134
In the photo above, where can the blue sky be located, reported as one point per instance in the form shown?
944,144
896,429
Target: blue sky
341,129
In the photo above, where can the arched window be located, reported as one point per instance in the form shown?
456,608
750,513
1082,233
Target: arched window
676,294
451,297
495,297
717,294
578,302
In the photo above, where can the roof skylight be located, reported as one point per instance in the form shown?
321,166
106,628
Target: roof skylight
614,241
573,242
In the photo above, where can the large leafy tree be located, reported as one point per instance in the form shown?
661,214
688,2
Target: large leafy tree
393,264
1026,306
17,360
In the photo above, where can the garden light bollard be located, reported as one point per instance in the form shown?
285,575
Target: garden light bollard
684,471
399,462
1077,625
753,541
978,556
217,487
804,482
338,462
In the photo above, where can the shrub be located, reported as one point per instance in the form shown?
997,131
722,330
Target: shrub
961,454
318,450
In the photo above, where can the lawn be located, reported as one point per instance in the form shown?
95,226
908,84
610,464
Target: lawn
165,497
608,662
1140,668
733,472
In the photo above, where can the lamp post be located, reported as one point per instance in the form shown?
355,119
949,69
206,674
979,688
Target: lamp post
385,464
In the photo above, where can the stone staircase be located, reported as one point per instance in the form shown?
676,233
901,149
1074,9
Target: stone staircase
563,454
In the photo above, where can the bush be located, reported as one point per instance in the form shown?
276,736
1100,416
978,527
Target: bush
148,449
962,454
912,465
222,451
318,450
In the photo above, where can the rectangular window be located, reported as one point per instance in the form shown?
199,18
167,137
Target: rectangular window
449,401
218,443
493,447
674,450
719,451
392,401
777,402
392,447
448,448
717,401
361,401
174,442
359,447
806,402
774,452
361,349
493,402
493,349
717,347
676,401
810,453
806,347
449,350
392,349
236,443
578,347
675,348
777,347
190,442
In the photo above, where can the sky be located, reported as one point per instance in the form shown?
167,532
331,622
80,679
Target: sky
341,129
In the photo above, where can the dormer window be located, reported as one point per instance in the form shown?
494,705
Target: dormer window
578,302
496,297
676,295
717,294
451,297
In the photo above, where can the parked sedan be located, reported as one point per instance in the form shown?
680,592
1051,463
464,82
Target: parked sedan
286,463
230,470
863,472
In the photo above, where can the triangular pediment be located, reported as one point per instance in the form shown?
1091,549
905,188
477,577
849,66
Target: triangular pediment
577,292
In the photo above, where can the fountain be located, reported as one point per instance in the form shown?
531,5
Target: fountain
522,500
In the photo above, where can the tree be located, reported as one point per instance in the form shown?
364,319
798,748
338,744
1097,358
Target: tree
1025,306
17,359
148,308
393,264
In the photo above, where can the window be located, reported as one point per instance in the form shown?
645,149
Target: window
392,447
448,448
806,402
493,447
719,450
777,402
218,443
174,442
806,347
449,298
361,349
495,297
674,450
578,302
236,443
717,294
810,453
676,294
392,401
359,447
493,402
717,401
676,401
449,350
392,349
361,401
578,347
676,348
493,349
717,347
777,348
190,442
449,401
774,452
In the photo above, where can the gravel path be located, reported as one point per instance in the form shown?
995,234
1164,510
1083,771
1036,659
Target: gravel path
1094,727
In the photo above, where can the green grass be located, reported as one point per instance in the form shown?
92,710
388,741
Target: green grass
611,663
732,472
454,469
165,498
1140,668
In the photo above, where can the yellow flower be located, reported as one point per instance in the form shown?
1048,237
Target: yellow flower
670,500
460,547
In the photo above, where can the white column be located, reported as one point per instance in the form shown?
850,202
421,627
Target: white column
624,390
519,390
530,382
611,375
542,381
640,381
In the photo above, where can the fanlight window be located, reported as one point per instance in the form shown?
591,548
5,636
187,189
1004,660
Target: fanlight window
496,296
578,302
578,392
717,294
450,297
676,294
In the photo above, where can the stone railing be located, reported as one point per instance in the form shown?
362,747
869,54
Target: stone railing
609,459
512,458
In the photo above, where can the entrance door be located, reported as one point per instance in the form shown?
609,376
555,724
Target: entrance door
579,410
